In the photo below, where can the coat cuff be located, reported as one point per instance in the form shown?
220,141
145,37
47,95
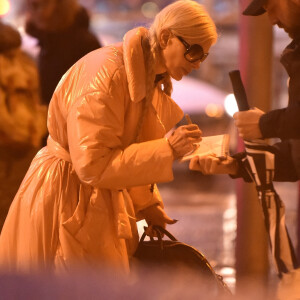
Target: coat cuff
143,197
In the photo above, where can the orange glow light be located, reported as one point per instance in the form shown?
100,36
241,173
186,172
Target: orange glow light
214,110
4,7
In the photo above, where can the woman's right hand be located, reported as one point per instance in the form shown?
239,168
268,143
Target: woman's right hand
183,139
155,215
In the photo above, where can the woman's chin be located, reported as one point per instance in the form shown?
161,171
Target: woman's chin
177,77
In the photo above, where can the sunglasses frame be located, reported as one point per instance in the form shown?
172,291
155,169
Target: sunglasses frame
188,49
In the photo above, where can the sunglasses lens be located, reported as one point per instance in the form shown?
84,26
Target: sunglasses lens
195,53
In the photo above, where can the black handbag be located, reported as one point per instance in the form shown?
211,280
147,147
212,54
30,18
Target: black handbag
179,264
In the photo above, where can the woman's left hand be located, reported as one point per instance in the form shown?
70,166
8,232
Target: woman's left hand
210,164
155,215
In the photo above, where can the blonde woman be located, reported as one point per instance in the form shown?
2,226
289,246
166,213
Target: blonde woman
84,191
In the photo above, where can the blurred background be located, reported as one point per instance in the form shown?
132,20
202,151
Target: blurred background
206,206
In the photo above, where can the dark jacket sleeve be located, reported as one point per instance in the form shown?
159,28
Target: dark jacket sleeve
282,123
285,123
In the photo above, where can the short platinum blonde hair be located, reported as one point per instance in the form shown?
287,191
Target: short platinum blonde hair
188,19
185,18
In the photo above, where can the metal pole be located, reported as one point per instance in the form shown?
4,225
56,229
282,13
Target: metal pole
255,62
298,226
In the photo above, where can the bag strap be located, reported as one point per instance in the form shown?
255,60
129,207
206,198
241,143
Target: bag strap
160,231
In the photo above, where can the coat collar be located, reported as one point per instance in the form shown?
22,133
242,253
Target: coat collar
134,63
166,112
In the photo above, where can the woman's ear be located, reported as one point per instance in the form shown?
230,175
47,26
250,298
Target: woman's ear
164,38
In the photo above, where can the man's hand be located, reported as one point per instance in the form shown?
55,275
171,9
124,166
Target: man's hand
210,164
247,123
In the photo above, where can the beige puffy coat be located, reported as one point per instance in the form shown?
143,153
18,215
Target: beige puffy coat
81,197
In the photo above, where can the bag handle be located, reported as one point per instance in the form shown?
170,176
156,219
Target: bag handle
160,232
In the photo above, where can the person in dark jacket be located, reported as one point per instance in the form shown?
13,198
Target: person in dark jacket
62,30
280,123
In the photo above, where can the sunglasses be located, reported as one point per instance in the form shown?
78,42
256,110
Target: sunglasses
193,52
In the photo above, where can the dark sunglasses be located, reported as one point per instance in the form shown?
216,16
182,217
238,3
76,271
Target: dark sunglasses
194,52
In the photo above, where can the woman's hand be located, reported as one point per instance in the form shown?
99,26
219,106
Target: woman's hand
183,139
155,215
212,165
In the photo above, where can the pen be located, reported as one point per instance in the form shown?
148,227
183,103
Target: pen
188,119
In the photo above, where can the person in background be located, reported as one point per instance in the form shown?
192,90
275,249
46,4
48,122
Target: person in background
22,118
280,123
62,30
108,118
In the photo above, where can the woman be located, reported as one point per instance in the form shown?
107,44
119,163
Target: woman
84,192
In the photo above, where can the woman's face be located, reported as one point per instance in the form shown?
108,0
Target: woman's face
174,60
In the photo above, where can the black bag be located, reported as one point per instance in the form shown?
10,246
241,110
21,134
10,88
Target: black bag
180,264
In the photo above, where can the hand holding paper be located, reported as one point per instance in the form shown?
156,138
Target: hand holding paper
210,164
211,157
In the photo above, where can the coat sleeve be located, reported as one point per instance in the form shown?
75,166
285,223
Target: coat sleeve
285,123
143,197
95,125
282,123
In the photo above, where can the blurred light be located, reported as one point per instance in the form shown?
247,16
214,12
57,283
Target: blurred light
4,7
226,271
230,105
149,9
230,281
21,29
214,110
